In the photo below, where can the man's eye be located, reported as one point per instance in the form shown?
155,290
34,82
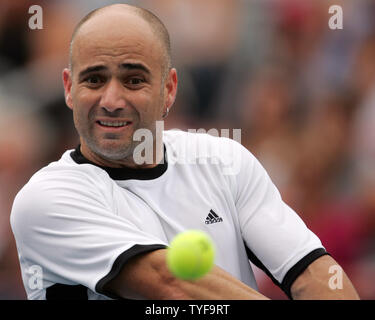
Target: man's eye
135,81
93,80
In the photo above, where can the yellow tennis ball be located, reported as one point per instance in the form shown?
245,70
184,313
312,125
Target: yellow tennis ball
191,255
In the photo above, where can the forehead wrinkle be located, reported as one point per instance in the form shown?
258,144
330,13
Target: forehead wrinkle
108,55
107,49
116,60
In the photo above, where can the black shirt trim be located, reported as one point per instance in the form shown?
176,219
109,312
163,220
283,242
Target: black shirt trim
61,291
293,273
254,259
125,173
120,262
298,268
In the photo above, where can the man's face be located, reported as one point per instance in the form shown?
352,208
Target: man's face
116,85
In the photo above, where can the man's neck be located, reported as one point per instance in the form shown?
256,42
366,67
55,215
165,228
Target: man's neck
127,162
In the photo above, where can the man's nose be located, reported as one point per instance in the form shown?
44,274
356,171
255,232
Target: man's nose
112,98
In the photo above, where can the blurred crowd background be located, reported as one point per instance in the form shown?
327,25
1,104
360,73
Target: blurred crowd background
302,94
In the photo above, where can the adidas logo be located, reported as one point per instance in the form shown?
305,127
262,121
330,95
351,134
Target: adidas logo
213,218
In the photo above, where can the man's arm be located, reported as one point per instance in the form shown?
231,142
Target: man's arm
148,276
316,282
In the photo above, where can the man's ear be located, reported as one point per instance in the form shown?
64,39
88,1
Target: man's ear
170,88
67,80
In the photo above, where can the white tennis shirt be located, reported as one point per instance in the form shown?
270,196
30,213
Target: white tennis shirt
76,224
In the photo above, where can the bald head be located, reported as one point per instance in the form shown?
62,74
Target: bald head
155,24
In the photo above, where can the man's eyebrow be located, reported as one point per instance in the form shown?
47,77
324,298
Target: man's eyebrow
128,66
91,69
132,66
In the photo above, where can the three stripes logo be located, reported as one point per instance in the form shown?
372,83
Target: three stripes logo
213,218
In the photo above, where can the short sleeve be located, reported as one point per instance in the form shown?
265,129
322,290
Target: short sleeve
276,238
66,225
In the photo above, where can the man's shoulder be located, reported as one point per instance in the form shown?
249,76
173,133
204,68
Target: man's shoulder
64,173
62,179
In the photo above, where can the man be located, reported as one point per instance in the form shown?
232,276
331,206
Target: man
96,223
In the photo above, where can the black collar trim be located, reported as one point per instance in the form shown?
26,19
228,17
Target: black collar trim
125,173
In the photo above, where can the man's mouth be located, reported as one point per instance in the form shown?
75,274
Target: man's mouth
114,124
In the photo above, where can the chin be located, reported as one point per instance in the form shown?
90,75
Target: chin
113,150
